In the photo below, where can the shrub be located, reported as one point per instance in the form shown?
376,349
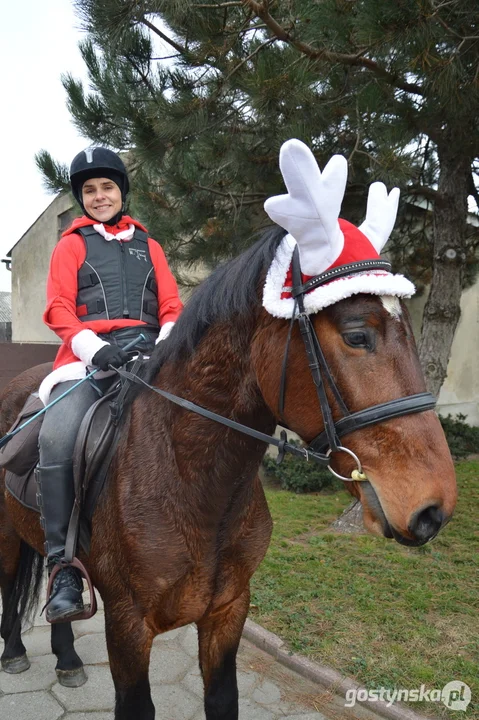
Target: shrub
299,476
463,439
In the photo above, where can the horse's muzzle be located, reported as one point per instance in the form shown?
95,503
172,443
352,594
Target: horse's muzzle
423,526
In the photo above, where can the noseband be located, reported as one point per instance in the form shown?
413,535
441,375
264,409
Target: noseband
327,441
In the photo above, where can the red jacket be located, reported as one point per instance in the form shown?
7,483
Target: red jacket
62,290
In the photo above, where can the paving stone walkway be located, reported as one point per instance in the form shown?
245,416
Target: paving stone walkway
268,691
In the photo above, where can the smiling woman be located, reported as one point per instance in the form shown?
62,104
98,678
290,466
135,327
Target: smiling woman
101,199
107,283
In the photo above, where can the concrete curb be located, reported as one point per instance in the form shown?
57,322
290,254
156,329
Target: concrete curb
325,676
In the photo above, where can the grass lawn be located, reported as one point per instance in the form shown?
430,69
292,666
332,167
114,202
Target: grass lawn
383,614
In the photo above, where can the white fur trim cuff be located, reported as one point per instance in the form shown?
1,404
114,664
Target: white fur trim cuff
165,331
86,344
65,373
372,283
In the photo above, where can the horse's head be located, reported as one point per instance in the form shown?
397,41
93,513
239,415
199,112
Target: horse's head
370,350
338,281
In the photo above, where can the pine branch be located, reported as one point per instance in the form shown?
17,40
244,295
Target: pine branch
56,176
354,60
220,5
230,195
427,192
166,57
164,37
142,75
449,29
252,28
251,55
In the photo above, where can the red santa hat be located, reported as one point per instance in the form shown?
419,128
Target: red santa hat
309,212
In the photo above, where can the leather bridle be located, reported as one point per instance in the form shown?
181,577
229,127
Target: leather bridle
327,441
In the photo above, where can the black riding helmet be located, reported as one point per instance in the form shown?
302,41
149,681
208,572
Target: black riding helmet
98,162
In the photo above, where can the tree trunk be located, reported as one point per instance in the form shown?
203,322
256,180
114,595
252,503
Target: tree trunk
351,520
442,310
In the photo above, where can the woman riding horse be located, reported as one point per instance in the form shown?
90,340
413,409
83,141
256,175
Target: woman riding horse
107,281
182,522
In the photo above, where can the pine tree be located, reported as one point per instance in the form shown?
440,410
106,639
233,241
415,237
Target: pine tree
392,85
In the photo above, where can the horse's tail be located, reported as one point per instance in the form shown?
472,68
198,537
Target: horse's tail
24,595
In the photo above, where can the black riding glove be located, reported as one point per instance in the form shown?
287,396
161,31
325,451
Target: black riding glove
110,355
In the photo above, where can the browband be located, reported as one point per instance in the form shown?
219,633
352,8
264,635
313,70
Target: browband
338,272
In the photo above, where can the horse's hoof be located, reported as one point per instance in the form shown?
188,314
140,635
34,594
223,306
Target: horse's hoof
17,665
72,678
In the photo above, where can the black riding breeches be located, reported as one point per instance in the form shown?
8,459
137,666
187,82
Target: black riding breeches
62,422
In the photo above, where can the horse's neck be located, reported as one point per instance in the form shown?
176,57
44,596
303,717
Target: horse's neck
218,376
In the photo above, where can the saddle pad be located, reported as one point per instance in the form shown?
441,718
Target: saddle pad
23,488
20,454
94,449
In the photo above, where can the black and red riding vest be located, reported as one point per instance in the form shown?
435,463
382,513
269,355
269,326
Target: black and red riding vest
117,279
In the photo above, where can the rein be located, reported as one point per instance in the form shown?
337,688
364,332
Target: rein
327,441
283,445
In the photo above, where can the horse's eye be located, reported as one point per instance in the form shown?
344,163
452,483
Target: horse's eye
358,338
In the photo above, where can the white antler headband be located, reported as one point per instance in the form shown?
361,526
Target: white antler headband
310,214
380,214
310,210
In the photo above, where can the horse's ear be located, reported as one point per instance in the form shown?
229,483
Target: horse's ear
380,214
310,210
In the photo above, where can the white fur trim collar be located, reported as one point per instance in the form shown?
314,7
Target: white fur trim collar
372,283
122,235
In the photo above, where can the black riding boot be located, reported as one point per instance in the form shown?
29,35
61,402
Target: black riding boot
55,497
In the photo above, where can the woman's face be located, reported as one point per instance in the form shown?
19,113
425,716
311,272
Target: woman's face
101,198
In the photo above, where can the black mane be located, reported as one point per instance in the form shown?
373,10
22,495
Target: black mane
230,291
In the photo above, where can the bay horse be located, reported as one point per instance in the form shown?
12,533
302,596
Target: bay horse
183,523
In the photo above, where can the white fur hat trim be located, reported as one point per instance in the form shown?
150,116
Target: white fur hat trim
371,282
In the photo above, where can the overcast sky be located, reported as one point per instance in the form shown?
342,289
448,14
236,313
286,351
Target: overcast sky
38,42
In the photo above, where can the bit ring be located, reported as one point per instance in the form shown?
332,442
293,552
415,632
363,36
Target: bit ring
357,475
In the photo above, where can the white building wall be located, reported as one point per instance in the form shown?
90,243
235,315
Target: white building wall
30,262
460,391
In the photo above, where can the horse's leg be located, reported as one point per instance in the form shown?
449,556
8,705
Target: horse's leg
21,570
69,667
14,657
129,644
219,634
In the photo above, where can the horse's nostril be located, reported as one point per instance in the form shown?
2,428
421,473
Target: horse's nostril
426,523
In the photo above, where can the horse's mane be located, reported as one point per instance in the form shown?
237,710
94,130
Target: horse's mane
231,291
